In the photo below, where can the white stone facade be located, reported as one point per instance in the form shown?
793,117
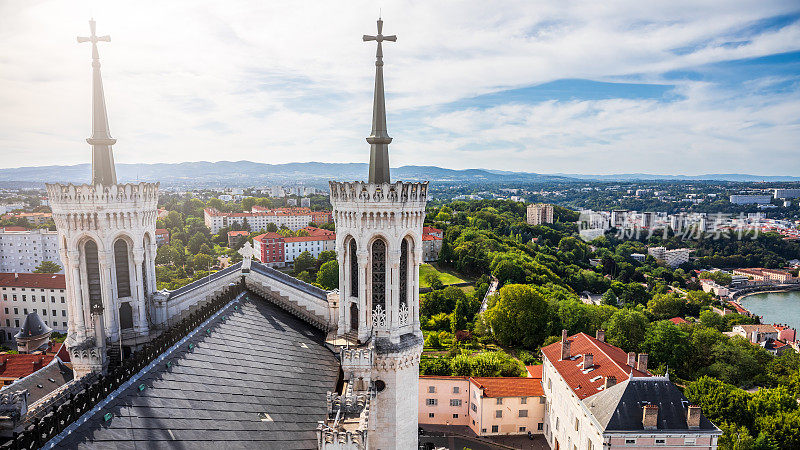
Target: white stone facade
379,250
108,250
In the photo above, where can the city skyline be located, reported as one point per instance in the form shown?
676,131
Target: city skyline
677,89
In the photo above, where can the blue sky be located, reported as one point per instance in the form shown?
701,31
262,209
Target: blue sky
681,87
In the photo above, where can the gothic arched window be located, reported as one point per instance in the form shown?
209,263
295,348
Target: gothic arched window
123,269
353,269
379,274
92,263
403,272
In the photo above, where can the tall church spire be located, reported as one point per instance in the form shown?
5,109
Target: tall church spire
379,138
103,171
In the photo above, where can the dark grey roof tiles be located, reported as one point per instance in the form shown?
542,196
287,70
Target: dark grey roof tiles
212,395
33,326
620,407
56,371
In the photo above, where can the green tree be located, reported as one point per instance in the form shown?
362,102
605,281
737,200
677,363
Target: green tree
434,280
609,298
626,329
304,262
666,306
666,344
47,267
272,228
519,315
458,321
202,261
328,275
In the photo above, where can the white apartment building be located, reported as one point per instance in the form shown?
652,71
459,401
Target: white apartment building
24,293
22,250
672,258
750,199
294,246
294,219
787,193
598,397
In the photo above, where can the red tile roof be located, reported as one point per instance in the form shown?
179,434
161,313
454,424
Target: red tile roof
431,230
314,231
33,280
535,371
430,237
267,235
678,320
18,366
607,361
238,233
309,238
509,386
15,229
162,231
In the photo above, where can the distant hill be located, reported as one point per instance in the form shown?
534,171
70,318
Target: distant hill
248,173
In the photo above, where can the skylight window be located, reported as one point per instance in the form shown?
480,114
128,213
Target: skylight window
265,417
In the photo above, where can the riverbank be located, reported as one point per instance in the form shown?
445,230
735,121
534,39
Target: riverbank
775,307
766,290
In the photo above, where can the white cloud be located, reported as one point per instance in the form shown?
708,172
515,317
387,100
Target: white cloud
291,81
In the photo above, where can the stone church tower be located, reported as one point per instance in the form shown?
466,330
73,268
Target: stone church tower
107,242
379,250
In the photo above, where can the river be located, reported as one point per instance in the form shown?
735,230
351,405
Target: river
775,307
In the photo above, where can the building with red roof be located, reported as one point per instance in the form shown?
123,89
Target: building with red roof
431,243
162,236
599,397
490,406
678,320
25,293
269,249
234,236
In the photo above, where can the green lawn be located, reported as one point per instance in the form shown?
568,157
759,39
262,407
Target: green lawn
446,277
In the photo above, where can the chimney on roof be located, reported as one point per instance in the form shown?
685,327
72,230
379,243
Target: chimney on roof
641,363
754,336
588,361
631,359
600,335
610,381
650,417
693,417
16,275
564,345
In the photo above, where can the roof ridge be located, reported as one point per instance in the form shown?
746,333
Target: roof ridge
594,342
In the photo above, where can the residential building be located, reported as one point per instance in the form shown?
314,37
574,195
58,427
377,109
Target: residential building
599,397
773,338
16,366
713,287
269,249
769,275
259,218
672,258
640,257
305,202
314,244
540,213
490,406
25,293
162,236
787,193
236,235
431,243
37,218
750,199
619,218
22,250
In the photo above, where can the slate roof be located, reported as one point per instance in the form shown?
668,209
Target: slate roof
259,360
33,326
42,382
620,407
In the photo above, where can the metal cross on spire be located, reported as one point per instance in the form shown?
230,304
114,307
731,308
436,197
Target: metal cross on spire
379,138
103,171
